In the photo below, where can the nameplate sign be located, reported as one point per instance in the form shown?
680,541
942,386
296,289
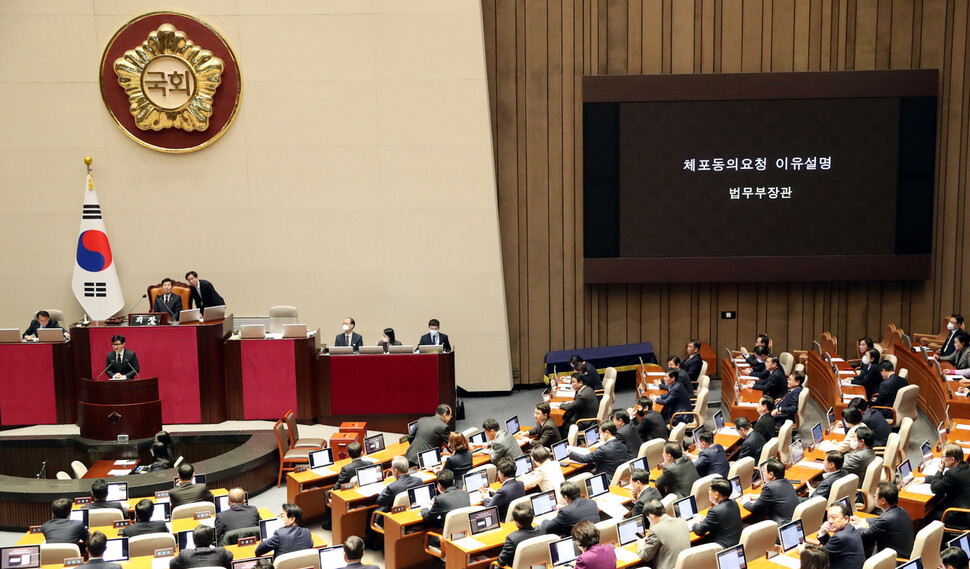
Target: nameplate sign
122,523
456,535
73,561
35,529
398,509
301,468
165,552
244,541
83,500
202,515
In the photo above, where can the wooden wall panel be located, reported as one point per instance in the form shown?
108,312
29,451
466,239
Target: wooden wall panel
537,53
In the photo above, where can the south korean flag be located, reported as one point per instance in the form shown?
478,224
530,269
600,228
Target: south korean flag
95,280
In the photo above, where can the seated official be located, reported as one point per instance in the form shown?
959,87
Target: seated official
786,408
642,492
666,538
650,424
711,458
676,400
693,364
873,419
62,529
960,358
952,486
403,480
591,376
41,320
888,388
841,540
607,456
583,406
121,363
429,433
723,520
388,339
161,460
99,499
593,554
678,474
766,422
523,516
450,497
831,473
168,302
204,554
354,554
575,509
546,432
509,491
349,470
757,361
435,337
870,374
626,433
853,419
502,443
673,363
857,461
143,521
954,558
97,545
240,515
546,472
774,384
460,461
893,529
953,326
187,491
778,500
752,443
349,337
291,537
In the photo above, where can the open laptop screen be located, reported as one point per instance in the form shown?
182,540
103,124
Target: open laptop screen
686,508
732,558
559,450
523,465
370,474
791,535
117,491
321,458
718,421
591,435
628,531
817,433
20,557
117,549
268,527
736,490
430,458
186,541
640,464
374,444
411,427
162,512
249,563
420,496
797,454
475,480
478,438
483,520
80,516
512,424
906,472
597,485
962,541
563,551
543,503
332,557
914,564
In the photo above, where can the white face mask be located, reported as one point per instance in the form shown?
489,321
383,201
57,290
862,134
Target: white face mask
385,340
866,360
346,327
951,326
432,330
854,444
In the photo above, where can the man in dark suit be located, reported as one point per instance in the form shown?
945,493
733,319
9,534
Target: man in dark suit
756,360
202,294
143,521
626,433
546,432
522,515
450,497
678,474
893,528
857,461
402,482
675,400
711,458
786,408
435,337
61,529
120,363
841,539
650,424
99,499
778,499
870,374
348,337
831,473
41,320
723,520
693,364
673,363
429,433
873,419
591,376
888,387
168,302
765,423
349,470
606,457
575,510
354,553
953,326
291,537
187,491
642,492
97,544
953,485
510,489
753,441
204,555
773,385
239,515
584,405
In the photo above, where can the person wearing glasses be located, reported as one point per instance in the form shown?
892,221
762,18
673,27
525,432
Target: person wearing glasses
120,363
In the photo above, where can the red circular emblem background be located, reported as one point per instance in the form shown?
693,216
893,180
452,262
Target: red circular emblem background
226,101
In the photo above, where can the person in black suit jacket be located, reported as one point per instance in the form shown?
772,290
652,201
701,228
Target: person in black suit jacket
449,498
756,360
893,528
143,521
348,337
591,376
435,337
188,492
41,320
402,482
870,374
873,419
831,473
168,302
650,424
291,537
642,492
786,408
841,539
673,363
679,473
765,423
99,499
723,520
121,363
693,364
583,405
606,457
711,458
202,294
753,441
778,499
97,544
460,461
429,433
626,433
953,326
354,553
546,432
953,485
510,489
775,384
576,509
204,554
888,387
675,400
239,515
522,515
349,470
61,529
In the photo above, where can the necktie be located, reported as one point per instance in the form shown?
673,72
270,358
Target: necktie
348,340
118,358
166,299
434,339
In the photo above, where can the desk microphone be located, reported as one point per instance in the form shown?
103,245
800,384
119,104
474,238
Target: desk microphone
132,368
102,372
143,297
43,470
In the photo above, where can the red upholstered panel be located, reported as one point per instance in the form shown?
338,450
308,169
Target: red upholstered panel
384,384
170,353
27,385
268,378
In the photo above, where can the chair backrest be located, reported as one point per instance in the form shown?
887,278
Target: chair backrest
887,337
298,559
905,429
653,450
572,435
700,406
770,450
890,456
609,383
703,369
580,480
677,434
189,510
928,543
604,410
607,530
699,490
232,537
98,517
668,502
531,551
182,289
146,544
291,427
279,315
622,473
872,479
903,373
885,559
757,539
508,516
811,512
457,520
803,396
905,404
469,431
79,469
704,382
787,361
844,487
61,475
743,468
784,441
698,557
282,440
178,461
56,553
58,314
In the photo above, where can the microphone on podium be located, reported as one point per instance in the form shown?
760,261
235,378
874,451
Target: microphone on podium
143,297
102,372
132,368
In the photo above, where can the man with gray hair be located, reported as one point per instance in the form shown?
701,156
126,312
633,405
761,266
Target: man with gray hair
403,481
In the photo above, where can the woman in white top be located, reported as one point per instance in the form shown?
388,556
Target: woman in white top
546,473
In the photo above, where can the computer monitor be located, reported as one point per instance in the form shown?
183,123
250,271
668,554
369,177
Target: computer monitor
732,558
797,453
370,474
523,465
905,472
294,331
429,349
249,563
818,347
268,527
117,491
640,464
543,503
374,444
718,421
370,350
483,520
475,480
411,427
20,557
686,508
213,313
941,435
512,424
162,512
559,450
597,485
185,540
421,496
962,541
831,415
736,489
116,550
190,316
321,458
9,336
927,450
630,530
563,551
332,557
591,435
80,516
478,438
912,564
791,535
429,458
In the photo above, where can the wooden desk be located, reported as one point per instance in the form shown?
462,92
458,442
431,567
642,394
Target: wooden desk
404,540
267,377
933,396
746,405
101,468
36,384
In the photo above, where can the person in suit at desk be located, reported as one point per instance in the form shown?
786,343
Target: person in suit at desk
202,294
778,500
187,491
546,432
679,473
502,443
354,553
673,363
348,337
546,473
888,388
873,419
62,529
675,400
204,554
41,320
649,423
711,458
626,433
953,326
594,555
583,406
97,544
402,482
389,339
757,362
167,302
99,499
435,337
349,470
960,358
893,529
766,422
773,385
753,441
291,537
429,433
723,520
841,539
523,516
591,376
450,497
953,484
606,457
786,408
143,521
121,363
642,493
831,473
692,365
666,538
857,461
240,515
509,491
870,374
460,461
576,509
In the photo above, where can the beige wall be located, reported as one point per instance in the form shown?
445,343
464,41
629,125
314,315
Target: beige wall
357,179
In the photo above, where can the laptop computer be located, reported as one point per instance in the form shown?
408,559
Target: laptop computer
962,541
249,563
294,330
512,424
213,313
736,489
268,527
9,336
421,496
523,465
80,516
640,464
718,421
482,521
906,475
370,350
332,557
560,450
912,564
732,558
791,535
429,458
373,444
117,491
830,414
321,459
222,502
190,316
478,438
196,479
162,512
543,503
686,509
563,552
50,335
20,556
116,550
409,349
475,480
341,350
411,427
797,453
630,530
252,331
370,474
597,485
591,435
847,503
429,349
817,433
185,540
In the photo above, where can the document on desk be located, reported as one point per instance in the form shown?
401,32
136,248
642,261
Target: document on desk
119,472
748,377
555,404
161,562
626,556
131,462
469,544
787,561
731,431
324,471
612,509
811,464
846,372
923,488
747,404
964,427
579,450
740,360
370,489
828,445
837,360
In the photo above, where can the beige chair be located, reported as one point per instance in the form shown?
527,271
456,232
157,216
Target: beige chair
757,539
522,499
698,557
770,450
704,382
296,441
572,435
609,384
812,514
290,458
57,314
668,502
803,396
891,358
532,551
602,414
784,441
98,517
79,469
298,559
890,456
146,544
189,510
844,487
699,491
905,429
279,315
703,369
56,553
490,470
580,479
787,361
653,450
874,475
455,520
400,499
903,373
61,475
698,416
744,468
885,559
622,473
904,405
677,434
608,531
928,542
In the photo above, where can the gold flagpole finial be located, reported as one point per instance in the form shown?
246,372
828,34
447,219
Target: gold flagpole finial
88,160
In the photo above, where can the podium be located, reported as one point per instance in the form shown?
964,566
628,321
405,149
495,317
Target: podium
130,407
